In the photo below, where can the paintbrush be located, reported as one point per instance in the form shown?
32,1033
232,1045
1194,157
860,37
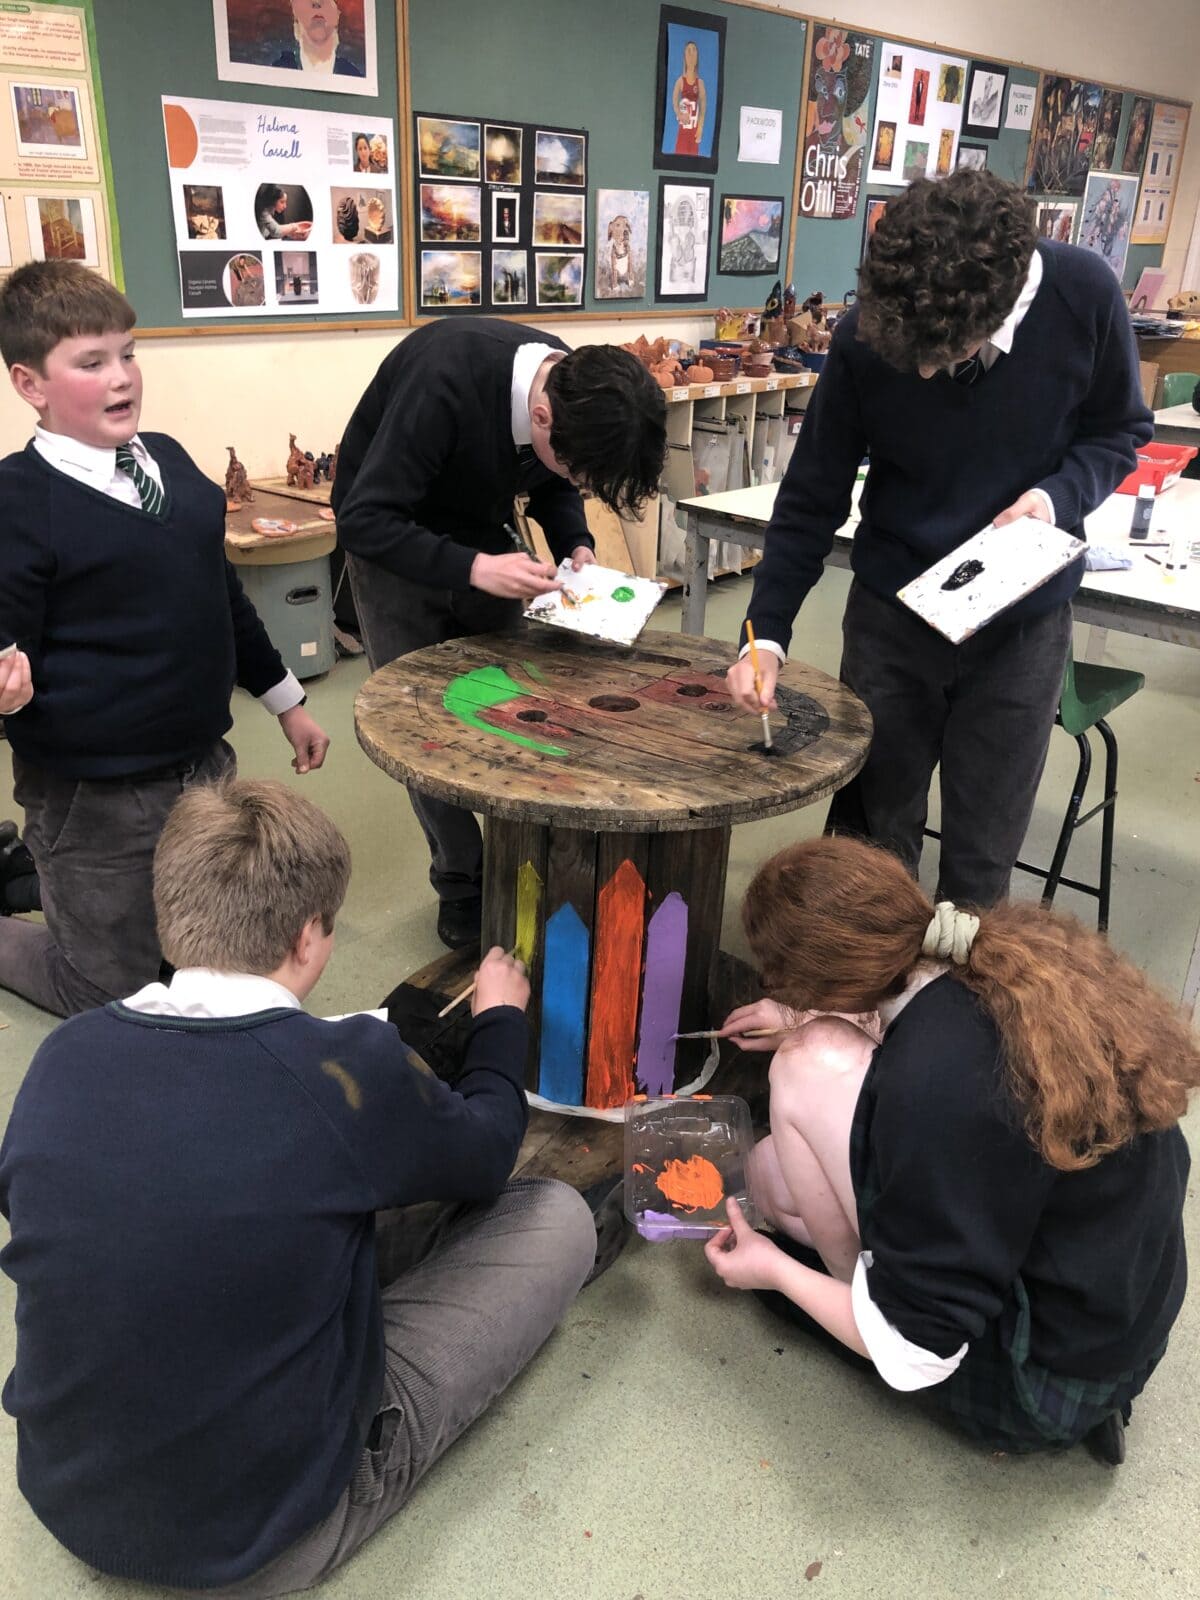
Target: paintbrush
464,994
715,1033
766,721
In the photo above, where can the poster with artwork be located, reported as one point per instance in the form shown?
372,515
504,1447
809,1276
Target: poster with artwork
751,234
1056,219
279,210
918,114
1160,174
689,79
876,206
55,197
1137,134
1104,146
837,120
622,243
986,85
322,45
1060,151
1106,218
684,218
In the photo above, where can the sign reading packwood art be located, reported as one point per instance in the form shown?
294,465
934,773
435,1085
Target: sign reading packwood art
837,121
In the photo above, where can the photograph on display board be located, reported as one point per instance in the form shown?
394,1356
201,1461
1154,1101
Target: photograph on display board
62,228
364,277
918,115
945,155
622,243
450,278
364,216
918,97
502,153
214,281
1104,148
204,206
876,206
559,279
451,213
6,259
506,218
893,63
48,121
296,277
1160,173
1106,218
836,122
1140,118
283,211
510,278
1056,219
885,144
559,219
1063,134
916,160
560,159
973,156
751,234
448,149
987,82
691,64
950,84
326,45
684,220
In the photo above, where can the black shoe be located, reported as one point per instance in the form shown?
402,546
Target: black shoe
460,922
613,1228
1106,1440
19,886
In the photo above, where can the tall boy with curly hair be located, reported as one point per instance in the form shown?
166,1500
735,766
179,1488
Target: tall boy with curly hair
990,375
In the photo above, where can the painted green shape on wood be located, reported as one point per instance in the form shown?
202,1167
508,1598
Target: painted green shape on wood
534,671
472,692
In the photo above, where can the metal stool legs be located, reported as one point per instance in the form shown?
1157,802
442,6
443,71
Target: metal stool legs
1072,820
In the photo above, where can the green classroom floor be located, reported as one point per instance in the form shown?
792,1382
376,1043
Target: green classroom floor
672,1442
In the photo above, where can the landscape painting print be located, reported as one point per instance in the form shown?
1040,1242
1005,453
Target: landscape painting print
751,230
837,121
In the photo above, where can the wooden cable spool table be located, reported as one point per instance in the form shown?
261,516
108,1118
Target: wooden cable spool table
609,779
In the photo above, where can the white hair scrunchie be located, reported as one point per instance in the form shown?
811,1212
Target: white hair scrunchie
950,933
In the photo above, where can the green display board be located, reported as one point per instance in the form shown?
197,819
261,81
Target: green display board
595,67
148,48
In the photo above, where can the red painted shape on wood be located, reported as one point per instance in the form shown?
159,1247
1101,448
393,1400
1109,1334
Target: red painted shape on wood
616,984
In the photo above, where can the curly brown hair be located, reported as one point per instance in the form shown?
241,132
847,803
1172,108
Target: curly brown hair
944,268
1094,1054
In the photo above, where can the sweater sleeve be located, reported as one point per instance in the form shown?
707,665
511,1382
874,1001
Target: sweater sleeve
814,498
259,665
960,1188
416,439
556,505
26,571
1112,422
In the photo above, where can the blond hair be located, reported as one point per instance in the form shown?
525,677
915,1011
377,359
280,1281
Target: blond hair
240,867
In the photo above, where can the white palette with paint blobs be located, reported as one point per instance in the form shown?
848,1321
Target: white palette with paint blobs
599,602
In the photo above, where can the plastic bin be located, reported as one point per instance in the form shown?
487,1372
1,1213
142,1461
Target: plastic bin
1159,464
295,603
683,1159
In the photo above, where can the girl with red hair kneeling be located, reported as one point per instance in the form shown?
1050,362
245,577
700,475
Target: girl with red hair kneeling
983,1197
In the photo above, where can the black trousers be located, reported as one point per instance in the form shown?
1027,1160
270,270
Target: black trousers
983,709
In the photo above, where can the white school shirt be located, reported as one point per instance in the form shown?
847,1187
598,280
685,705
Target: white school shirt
96,467
526,362
206,992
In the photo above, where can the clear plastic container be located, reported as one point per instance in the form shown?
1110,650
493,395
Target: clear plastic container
683,1159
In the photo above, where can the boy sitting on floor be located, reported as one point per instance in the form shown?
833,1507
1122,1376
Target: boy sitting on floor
123,630
230,1370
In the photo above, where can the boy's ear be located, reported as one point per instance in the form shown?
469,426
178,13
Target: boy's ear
28,383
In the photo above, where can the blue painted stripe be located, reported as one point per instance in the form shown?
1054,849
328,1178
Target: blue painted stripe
564,1007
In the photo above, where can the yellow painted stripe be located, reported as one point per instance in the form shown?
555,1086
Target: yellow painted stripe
529,899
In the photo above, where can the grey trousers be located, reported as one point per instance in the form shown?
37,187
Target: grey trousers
984,709
470,1293
93,843
397,617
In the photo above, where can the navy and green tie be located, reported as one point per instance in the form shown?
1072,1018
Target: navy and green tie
149,492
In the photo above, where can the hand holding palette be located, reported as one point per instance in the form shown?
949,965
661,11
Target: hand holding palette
683,1159
598,601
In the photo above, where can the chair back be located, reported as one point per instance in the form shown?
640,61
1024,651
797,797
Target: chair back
1178,387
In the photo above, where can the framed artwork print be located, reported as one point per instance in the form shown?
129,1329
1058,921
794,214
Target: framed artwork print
751,233
684,221
984,107
972,155
691,66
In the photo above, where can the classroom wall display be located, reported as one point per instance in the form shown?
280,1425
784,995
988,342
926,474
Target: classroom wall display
1056,219
55,194
918,114
973,156
760,135
691,51
1137,134
1106,219
1060,151
1108,125
876,206
986,84
836,122
326,45
268,207
1160,174
514,193
1022,98
622,243
684,214
751,234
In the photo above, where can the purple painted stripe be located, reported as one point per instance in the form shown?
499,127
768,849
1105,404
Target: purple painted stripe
666,951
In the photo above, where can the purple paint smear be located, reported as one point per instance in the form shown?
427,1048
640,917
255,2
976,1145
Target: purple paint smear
666,951
657,1226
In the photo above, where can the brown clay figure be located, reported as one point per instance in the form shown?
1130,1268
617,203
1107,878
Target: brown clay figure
237,486
299,466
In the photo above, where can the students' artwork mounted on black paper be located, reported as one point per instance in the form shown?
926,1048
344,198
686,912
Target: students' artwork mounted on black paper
972,155
684,223
622,243
984,107
691,66
751,232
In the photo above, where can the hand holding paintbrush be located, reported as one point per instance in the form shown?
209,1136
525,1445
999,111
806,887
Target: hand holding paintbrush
500,981
758,685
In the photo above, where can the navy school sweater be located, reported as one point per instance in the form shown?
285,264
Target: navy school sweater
199,1339
136,626
427,469
1062,412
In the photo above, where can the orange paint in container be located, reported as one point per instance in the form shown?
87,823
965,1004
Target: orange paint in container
692,1185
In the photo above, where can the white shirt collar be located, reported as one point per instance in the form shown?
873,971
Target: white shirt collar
526,362
309,62
203,992
91,463
1002,339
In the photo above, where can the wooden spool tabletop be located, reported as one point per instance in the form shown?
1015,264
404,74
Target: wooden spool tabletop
551,728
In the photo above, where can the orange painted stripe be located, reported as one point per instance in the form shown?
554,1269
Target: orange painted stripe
616,985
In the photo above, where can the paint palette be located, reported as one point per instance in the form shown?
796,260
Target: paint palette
683,1159
598,601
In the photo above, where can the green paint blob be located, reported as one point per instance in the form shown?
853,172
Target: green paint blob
623,593
472,692
534,671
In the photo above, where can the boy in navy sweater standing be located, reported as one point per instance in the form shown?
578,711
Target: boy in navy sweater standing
234,1363
990,376
125,629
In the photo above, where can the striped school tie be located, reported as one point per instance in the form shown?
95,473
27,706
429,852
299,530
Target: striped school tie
149,492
